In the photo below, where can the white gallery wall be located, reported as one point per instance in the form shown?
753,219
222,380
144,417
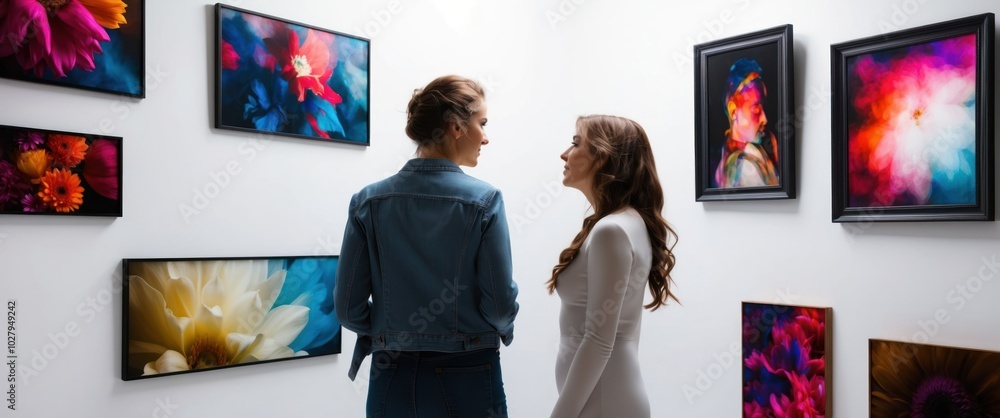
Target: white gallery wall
543,64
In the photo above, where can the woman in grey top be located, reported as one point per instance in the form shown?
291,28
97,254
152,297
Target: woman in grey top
623,247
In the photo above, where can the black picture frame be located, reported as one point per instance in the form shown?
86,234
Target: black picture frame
119,62
262,84
46,172
763,58
188,315
905,151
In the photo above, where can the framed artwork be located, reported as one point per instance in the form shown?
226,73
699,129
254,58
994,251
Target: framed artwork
786,355
913,124
275,76
92,45
744,120
189,315
919,380
45,172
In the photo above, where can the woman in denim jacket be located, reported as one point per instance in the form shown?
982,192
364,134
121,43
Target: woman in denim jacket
425,271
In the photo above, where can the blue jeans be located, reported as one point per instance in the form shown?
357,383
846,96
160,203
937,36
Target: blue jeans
428,384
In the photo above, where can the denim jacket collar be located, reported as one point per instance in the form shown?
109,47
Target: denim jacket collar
431,164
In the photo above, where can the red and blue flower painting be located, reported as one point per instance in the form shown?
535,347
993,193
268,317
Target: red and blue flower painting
281,77
90,44
784,361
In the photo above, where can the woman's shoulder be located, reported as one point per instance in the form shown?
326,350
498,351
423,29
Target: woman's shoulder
478,184
625,217
452,184
623,223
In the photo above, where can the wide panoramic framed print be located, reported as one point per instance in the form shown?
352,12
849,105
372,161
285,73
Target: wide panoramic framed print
913,124
95,45
195,314
744,118
274,76
46,172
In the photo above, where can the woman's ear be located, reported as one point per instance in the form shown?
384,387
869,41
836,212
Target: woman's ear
451,130
456,129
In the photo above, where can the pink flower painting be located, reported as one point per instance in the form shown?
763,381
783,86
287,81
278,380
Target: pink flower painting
784,361
95,44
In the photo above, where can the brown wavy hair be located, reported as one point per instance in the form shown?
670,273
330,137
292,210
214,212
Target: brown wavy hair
626,178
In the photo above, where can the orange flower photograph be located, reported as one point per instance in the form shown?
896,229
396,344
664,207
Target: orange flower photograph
63,173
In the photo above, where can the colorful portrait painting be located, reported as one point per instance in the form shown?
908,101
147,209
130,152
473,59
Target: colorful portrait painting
90,44
744,128
280,77
919,380
785,361
912,125
46,172
745,147
183,316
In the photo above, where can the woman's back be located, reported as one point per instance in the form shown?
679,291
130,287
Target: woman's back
434,242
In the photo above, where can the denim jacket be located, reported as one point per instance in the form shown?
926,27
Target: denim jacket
426,265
